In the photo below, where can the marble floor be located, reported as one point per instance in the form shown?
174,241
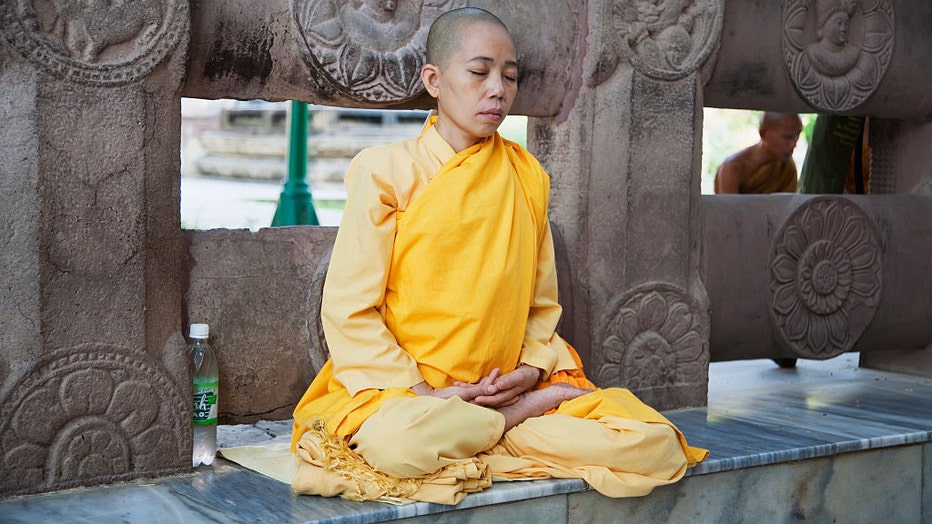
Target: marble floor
758,414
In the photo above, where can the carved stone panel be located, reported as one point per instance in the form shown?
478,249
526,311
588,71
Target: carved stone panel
371,49
96,43
317,348
837,51
825,277
88,415
665,40
652,337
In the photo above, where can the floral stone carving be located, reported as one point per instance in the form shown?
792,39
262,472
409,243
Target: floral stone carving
96,43
824,266
89,415
372,49
666,40
654,336
837,51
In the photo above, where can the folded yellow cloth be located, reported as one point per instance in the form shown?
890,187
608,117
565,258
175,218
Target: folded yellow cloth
327,466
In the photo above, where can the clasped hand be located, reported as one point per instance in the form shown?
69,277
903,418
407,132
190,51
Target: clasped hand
495,390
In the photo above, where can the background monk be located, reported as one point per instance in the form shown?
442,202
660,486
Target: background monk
767,166
439,309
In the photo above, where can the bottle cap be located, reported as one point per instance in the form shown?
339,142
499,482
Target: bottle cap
199,331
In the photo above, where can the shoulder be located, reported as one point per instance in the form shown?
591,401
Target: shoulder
385,155
390,173
532,177
526,161
738,164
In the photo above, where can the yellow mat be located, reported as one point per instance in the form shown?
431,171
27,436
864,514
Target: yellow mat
274,460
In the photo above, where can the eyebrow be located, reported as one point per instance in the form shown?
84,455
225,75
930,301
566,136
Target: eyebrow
490,60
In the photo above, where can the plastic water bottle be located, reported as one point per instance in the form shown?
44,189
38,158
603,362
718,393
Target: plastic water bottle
206,391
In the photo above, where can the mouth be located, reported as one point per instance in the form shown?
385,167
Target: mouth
493,114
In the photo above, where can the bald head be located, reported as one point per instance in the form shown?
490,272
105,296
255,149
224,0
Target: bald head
444,35
771,120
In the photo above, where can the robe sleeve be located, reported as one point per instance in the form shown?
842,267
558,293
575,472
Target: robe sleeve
543,348
364,352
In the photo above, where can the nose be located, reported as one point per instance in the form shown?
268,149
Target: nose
496,86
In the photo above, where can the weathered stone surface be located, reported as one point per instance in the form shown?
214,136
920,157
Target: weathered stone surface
364,54
95,377
812,277
260,293
763,62
626,204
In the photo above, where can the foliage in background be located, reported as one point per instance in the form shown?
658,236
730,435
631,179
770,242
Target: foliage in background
724,133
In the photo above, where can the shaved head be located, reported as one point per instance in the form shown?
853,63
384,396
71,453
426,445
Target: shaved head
772,120
444,37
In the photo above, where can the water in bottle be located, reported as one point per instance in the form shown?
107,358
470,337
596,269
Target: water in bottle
206,391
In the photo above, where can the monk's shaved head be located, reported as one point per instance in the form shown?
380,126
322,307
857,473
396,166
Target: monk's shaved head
444,37
772,120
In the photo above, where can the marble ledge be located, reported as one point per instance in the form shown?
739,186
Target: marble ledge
756,417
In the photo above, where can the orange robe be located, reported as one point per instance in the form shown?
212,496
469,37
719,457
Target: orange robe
773,177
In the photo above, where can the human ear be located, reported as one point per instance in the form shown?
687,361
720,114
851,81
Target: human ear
430,76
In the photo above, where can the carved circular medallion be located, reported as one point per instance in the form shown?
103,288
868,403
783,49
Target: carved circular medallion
90,414
653,336
667,40
837,51
825,265
96,43
372,49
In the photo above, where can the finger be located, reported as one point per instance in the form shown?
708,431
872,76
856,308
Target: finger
497,399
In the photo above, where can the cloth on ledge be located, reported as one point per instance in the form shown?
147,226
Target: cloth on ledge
274,459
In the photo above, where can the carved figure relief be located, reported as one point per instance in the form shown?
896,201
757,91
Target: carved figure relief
663,39
96,42
653,336
371,49
837,51
825,266
90,413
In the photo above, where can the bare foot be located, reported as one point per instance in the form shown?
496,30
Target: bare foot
537,402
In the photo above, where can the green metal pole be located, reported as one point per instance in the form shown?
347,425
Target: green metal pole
295,206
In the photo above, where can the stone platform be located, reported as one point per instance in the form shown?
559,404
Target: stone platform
825,442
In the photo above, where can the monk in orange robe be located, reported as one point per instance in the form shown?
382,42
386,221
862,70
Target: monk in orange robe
767,166
440,308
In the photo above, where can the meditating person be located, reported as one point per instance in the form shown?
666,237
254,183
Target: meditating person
439,310
767,166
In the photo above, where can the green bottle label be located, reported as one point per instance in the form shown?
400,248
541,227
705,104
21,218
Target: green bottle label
205,402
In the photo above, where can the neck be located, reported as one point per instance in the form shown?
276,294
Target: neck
457,141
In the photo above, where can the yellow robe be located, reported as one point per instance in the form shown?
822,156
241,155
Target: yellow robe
773,177
483,262
443,270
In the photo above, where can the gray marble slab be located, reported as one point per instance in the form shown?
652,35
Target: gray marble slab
758,415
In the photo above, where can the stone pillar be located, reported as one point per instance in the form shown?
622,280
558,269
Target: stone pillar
94,382
625,160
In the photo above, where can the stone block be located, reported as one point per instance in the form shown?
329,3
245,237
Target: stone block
260,292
